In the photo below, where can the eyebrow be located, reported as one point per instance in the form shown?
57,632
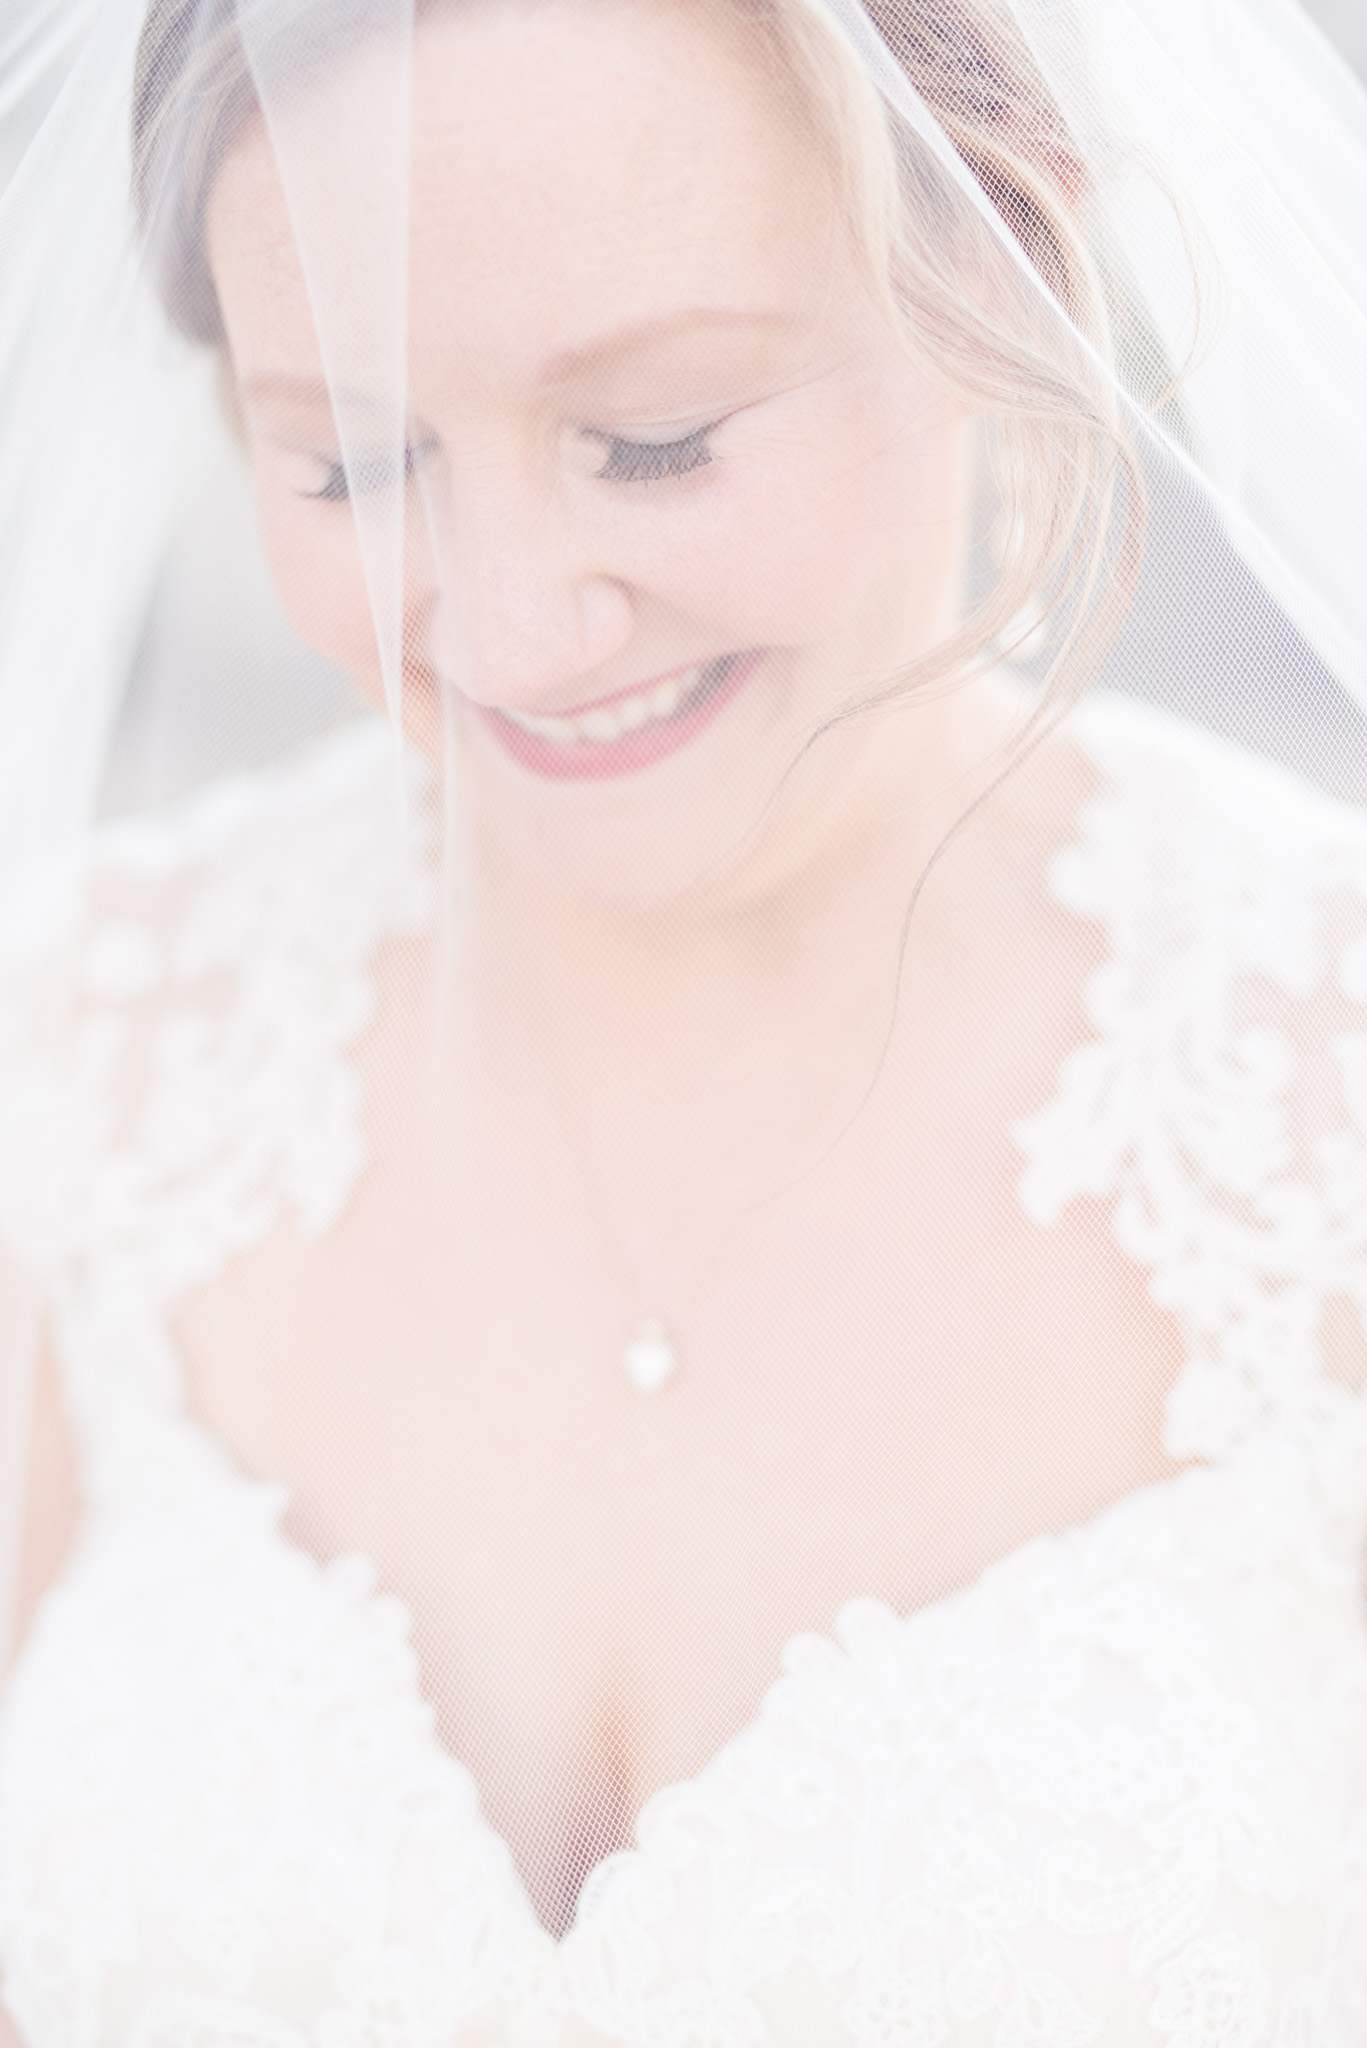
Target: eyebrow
297,390
636,337
640,336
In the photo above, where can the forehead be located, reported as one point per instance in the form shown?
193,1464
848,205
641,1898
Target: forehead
576,168
604,159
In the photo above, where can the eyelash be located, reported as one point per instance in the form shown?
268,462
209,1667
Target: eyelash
648,462
371,472
625,462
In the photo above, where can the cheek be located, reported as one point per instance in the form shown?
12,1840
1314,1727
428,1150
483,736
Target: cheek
834,528
315,565
871,506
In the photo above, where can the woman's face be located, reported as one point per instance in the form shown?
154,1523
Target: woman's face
677,494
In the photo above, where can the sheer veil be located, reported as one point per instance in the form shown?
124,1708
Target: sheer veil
1127,236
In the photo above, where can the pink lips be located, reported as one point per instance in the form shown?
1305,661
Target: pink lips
586,759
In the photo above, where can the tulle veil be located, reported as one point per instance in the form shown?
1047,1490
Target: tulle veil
1196,333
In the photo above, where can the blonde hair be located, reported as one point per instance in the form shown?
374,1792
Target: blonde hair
1038,364
1035,363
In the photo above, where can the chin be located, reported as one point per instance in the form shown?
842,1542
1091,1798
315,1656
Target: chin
642,862
655,830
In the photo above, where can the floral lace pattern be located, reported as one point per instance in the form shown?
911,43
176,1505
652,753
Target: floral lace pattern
1215,896
1116,1792
181,1078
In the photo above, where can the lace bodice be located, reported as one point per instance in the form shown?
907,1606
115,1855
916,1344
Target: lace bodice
1115,1792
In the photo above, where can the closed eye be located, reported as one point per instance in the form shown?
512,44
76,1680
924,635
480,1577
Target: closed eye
648,462
371,471
624,461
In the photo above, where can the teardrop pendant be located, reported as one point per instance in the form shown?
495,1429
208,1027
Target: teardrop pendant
649,1359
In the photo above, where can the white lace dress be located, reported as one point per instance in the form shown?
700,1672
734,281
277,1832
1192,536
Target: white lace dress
1114,1793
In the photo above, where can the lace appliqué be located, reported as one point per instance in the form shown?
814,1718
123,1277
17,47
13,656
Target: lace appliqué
1215,877
183,1068
1077,1804
176,1077
1113,1793
1045,1812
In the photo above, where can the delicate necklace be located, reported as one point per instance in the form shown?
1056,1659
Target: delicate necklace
650,1359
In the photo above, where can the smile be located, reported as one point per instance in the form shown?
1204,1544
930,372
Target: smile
627,732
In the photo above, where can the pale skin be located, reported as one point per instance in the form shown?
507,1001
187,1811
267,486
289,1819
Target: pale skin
673,1080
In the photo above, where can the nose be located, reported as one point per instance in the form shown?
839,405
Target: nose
522,610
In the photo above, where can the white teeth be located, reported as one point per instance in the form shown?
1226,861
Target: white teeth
633,711
560,731
600,725
609,722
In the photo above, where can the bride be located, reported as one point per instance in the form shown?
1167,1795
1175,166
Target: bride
698,1283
